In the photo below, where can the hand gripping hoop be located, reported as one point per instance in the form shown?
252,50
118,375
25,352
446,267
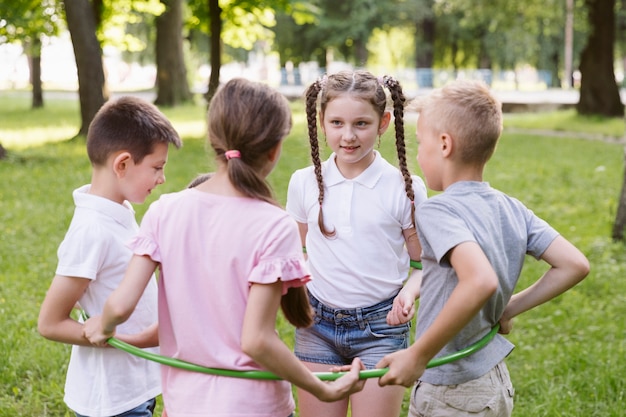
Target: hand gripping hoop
265,375
324,376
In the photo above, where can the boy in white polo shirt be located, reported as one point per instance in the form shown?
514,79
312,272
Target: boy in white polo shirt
127,144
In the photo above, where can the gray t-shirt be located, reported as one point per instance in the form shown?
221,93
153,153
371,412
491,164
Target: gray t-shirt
506,231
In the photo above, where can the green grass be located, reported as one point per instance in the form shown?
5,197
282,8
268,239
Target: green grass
566,121
570,354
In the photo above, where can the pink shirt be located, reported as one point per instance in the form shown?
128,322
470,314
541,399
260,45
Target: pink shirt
211,248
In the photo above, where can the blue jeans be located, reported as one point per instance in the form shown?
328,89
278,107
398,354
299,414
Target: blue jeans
340,335
143,410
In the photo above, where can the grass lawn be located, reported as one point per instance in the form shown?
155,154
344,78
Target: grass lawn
570,357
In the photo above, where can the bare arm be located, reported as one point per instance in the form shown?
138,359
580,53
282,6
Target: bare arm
303,228
260,341
477,281
121,303
403,309
55,321
413,245
568,267
147,338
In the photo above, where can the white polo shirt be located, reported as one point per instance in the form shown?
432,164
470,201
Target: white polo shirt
106,381
366,262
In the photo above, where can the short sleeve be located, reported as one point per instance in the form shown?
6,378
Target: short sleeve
419,189
295,197
441,229
281,258
145,242
540,235
82,252
419,196
292,272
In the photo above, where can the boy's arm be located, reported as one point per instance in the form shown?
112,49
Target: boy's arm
55,321
121,303
568,267
477,281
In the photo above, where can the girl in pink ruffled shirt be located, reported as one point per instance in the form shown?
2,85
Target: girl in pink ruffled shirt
228,257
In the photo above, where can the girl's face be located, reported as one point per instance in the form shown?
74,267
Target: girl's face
429,153
352,126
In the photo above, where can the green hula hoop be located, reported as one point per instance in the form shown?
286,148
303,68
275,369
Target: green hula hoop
416,264
324,376
265,375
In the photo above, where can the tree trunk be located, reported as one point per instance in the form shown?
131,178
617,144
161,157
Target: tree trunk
599,93
34,60
569,44
425,50
360,52
35,73
620,217
92,88
215,14
172,85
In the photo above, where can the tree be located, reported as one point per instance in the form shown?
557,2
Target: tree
172,83
92,88
215,16
297,39
620,217
26,22
599,93
238,23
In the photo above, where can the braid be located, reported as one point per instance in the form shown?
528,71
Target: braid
397,96
311,114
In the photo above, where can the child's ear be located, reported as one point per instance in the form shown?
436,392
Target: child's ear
384,122
446,143
120,163
274,153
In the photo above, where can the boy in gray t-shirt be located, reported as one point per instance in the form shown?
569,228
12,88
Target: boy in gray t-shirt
474,241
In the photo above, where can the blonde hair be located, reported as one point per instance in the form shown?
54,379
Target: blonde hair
467,111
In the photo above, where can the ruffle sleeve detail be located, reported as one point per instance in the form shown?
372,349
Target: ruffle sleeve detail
293,272
141,245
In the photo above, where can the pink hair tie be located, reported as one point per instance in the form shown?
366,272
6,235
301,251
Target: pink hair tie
232,154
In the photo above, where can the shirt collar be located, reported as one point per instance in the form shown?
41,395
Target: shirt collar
368,178
121,213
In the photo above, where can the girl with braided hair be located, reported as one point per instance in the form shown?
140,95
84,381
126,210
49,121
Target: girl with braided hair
355,213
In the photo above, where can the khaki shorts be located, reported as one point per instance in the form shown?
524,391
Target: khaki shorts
491,395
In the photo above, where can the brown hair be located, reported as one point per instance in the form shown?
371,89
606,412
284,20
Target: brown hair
253,118
362,85
128,124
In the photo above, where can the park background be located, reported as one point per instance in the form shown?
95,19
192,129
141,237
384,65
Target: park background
558,61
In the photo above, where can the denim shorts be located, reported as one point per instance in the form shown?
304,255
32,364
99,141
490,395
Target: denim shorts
143,410
491,395
337,336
